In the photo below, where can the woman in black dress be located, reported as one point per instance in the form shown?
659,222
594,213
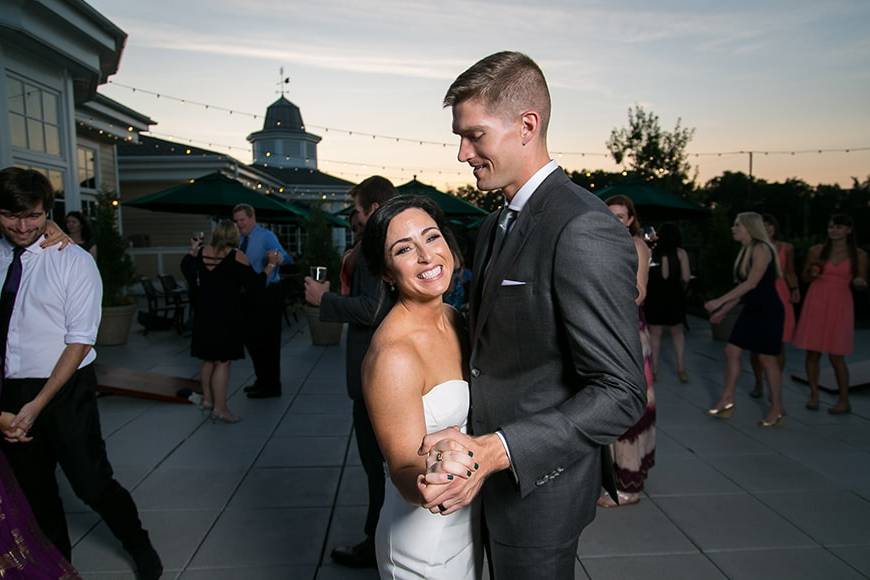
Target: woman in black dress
78,228
217,275
759,326
665,305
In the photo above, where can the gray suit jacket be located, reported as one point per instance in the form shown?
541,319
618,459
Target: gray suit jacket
363,310
556,362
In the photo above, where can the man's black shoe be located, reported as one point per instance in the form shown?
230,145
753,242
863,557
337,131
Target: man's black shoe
148,564
360,556
252,388
264,394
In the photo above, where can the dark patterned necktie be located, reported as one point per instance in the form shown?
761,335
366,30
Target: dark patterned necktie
7,303
503,227
244,246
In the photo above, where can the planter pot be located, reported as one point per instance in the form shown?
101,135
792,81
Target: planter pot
322,333
115,324
722,331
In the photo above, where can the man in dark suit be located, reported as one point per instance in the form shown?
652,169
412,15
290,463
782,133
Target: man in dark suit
556,364
363,310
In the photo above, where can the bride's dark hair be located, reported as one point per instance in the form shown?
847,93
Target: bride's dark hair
375,236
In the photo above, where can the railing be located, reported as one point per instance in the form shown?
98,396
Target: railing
158,260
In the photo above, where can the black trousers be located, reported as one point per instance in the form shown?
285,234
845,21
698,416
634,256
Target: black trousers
372,462
263,335
67,432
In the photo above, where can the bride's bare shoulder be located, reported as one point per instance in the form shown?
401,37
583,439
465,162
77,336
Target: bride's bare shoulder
390,361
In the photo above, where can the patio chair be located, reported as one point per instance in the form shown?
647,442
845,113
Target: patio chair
176,297
158,315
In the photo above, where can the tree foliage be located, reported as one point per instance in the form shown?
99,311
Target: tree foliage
116,267
488,201
651,152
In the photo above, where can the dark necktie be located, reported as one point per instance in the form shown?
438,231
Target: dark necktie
502,229
244,246
7,303
505,221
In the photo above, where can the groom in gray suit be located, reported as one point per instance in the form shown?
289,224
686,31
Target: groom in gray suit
556,364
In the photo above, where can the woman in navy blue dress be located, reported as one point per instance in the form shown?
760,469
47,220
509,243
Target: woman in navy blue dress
760,323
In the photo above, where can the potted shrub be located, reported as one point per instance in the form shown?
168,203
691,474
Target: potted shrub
117,273
320,251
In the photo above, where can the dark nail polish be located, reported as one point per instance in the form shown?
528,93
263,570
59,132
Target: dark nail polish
450,477
471,453
468,473
476,466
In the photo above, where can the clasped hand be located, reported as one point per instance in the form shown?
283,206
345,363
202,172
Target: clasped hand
456,467
16,427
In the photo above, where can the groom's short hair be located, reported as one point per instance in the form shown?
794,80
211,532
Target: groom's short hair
505,82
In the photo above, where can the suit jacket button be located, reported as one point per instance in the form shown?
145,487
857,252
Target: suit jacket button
475,373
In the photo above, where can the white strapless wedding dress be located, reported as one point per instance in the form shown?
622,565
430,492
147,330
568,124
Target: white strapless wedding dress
413,543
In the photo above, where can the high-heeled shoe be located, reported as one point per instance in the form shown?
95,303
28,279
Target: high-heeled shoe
775,423
228,418
722,413
840,410
683,376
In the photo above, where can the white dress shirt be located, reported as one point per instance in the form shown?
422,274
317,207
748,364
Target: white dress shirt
524,193
58,303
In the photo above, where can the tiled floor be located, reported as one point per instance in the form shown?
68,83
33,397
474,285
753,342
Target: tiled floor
268,498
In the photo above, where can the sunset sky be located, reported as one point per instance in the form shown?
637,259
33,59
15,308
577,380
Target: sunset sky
769,76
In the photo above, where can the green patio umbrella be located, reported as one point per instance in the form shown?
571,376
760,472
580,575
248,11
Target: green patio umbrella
216,194
654,203
455,208
452,206
308,212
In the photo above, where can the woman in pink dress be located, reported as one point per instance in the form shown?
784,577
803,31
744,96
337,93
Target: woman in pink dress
827,321
789,293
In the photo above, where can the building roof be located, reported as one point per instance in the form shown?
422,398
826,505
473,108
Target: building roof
284,115
154,147
304,176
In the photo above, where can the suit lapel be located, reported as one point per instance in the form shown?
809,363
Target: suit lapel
481,257
523,229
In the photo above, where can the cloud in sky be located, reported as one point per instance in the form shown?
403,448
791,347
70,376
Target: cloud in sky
771,74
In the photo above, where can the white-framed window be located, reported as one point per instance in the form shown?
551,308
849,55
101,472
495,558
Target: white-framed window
34,117
55,177
87,167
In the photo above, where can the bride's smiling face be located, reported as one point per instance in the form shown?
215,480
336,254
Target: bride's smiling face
419,260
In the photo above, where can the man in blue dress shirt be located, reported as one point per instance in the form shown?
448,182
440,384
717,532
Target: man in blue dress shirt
263,334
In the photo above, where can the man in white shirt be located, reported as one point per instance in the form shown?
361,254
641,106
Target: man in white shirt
49,315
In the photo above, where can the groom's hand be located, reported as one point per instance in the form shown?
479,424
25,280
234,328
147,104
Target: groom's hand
487,452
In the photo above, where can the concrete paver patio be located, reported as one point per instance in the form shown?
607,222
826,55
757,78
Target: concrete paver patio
269,497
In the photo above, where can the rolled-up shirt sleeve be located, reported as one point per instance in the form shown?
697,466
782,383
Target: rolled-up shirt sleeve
83,301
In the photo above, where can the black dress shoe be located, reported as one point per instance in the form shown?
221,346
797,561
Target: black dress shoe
251,388
264,394
360,556
148,564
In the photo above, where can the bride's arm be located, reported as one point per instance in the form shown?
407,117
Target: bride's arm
393,384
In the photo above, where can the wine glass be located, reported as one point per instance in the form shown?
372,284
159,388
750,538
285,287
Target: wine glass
650,237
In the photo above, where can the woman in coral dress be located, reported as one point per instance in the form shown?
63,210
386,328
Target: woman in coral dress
789,294
827,321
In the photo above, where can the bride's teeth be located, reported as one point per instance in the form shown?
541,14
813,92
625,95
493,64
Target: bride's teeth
431,273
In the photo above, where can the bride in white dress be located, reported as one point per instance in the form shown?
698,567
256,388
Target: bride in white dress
413,385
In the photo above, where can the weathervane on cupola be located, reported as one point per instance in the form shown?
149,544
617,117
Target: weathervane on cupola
282,80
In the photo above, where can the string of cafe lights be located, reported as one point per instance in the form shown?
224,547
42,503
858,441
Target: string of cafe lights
403,169
325,129
351,132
